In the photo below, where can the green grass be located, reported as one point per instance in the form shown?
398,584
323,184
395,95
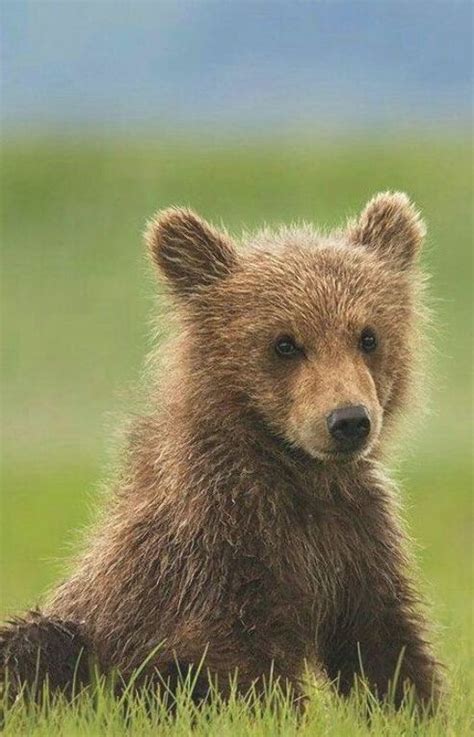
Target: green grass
101,714
76,302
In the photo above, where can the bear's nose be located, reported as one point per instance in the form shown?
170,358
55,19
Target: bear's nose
349,426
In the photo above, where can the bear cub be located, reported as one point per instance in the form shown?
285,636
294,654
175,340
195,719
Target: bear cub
252,530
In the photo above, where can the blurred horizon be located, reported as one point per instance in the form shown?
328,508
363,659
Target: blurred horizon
235,67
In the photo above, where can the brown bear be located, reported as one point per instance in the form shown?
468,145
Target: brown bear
252,529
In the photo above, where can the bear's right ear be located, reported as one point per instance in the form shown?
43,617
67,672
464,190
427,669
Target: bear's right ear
188,251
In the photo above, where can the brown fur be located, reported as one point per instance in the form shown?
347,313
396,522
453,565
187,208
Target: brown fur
37,649
236,530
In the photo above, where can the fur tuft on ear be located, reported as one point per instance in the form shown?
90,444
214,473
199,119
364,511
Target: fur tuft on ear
187,250
391,225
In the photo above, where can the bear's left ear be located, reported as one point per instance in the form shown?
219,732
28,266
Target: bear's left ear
390,225
189,252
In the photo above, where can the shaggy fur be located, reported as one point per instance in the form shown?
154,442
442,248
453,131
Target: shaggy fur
37,650
237,532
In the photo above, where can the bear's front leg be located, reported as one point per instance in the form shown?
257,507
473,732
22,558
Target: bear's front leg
202,686
37,649
380,638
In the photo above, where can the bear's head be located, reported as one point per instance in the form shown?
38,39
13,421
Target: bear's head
315,334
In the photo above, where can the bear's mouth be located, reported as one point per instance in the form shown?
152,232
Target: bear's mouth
350,455
345,456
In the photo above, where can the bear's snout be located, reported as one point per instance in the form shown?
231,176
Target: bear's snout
349,427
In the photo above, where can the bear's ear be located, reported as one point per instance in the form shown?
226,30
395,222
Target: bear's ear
187,250
390,225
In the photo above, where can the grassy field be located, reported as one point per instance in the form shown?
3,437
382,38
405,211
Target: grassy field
76,302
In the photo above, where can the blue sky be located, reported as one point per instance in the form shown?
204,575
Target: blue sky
203,65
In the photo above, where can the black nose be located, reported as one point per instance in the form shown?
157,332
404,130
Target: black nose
349,426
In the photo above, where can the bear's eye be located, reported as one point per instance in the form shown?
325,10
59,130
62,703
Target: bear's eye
368,340
286,347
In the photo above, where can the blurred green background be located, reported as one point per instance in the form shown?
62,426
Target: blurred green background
77,293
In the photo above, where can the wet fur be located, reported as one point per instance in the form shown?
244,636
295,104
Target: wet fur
223,536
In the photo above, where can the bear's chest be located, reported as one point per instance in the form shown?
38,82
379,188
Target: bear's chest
298,577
